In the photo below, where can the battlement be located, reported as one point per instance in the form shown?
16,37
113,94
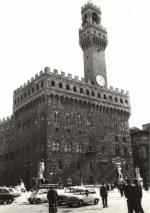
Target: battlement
90,5
66,83
6,120
62,75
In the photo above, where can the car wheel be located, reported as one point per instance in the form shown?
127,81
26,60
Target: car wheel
38,201
80,203
30,202
9,201
96,201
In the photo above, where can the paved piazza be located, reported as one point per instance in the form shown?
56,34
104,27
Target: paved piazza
116,204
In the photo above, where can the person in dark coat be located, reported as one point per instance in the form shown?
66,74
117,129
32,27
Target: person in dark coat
52,197
138,195
121,189
104,194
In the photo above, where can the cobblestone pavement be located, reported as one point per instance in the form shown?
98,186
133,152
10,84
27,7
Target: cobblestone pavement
116,204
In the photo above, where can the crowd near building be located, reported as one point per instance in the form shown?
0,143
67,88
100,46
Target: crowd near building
77,126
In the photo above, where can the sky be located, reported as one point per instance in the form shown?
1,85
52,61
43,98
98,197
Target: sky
38,33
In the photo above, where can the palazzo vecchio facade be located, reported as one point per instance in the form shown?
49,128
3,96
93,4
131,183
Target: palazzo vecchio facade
77,126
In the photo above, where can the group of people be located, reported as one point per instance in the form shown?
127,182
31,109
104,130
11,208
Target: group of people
131,190
133,193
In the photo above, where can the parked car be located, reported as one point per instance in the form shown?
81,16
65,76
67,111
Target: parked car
67,192
82,197
6,195
38,197
15,192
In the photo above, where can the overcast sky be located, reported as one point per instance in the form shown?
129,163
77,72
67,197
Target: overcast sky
39,33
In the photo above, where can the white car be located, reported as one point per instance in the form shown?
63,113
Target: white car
38,197
81,197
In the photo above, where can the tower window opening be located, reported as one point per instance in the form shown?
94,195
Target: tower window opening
93,94
87,57
29,92
33,90
126,101
95,18
25,95
84,19
98,50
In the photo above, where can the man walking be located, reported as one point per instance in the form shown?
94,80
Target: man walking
138,195
103,194
52,197
129,194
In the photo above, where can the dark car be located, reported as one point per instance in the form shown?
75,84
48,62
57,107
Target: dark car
6,195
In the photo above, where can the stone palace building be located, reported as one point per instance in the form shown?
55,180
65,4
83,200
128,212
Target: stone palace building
79,127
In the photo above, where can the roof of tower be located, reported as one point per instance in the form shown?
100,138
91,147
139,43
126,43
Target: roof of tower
90,5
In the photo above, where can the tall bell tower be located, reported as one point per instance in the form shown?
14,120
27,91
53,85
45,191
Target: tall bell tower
93,41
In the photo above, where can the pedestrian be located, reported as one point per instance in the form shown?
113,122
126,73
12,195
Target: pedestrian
104,194
121,189
131,198
138,195
52,197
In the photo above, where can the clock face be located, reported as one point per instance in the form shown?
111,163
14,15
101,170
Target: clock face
100,80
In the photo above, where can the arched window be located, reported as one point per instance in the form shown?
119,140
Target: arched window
67,87
81,90
78,119
75,89
67,117
121,101
93,94
60,164
125,151
103,149
60,85
87,92
117,150
105,97
68,147
79,148
116,99
56,146
52,83
98,95
56,117
110,98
